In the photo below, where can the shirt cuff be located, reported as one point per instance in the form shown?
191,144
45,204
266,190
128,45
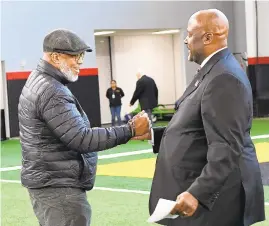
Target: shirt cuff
152,138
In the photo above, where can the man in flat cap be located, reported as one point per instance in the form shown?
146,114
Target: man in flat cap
58,144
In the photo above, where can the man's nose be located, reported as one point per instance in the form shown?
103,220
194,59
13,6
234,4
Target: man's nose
186,40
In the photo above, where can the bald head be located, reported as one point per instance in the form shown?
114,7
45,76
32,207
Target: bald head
207,32
139,74
211,20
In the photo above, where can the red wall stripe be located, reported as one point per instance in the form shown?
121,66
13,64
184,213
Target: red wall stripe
20,75
88,71
258,60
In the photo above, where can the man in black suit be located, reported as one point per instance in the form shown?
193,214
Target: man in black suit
206,158
146,92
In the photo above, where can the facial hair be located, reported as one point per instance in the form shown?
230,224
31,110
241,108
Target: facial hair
67,72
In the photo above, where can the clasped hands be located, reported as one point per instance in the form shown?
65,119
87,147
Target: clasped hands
141,126
187,204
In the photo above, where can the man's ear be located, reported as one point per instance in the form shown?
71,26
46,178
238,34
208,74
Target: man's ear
208,38
55,58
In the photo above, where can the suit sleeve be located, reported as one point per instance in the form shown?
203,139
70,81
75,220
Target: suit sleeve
158,134
225,113
62,117
137,92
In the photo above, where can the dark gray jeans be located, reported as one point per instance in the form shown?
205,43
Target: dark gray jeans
61,206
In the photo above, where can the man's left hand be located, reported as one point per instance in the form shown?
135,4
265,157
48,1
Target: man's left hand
186,205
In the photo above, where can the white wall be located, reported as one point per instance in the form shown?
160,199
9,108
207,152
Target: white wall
263,19
26,33
239,27
250,28
263,12
179,64
151,53
104,74
3,96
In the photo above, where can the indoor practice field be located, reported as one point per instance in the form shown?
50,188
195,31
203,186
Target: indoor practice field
120,196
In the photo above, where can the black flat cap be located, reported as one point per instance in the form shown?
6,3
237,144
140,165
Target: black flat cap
64,41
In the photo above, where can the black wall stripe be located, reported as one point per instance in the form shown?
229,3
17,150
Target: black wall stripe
86,90
14,88
259,79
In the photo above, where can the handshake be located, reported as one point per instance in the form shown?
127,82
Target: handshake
140,126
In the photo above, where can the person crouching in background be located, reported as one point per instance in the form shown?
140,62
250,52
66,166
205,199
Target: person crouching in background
114,94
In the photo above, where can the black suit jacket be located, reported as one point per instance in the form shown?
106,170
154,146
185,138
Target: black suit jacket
146,92
206,148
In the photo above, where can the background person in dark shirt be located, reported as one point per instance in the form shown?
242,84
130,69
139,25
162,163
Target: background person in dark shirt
114,94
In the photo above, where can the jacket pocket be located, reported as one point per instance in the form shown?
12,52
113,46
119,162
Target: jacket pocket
185,176
89,167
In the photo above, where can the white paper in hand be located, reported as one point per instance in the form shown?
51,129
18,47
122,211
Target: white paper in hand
162,211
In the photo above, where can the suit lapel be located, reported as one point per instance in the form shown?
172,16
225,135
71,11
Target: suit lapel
191,88
198,78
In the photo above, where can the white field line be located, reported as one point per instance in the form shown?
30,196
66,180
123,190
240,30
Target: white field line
110,156
122,190
260,137
105,189
11,181
95,188
10,168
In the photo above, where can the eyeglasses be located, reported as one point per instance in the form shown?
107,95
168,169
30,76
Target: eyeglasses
80,57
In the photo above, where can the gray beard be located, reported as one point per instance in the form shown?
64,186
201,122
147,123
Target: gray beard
67,72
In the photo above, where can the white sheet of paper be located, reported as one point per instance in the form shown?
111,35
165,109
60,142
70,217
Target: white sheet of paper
162,211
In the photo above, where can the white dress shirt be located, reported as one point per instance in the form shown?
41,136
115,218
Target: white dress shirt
212,54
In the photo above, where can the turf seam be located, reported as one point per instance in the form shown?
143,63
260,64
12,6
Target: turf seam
105,189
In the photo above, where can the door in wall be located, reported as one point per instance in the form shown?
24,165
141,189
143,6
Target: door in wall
104,72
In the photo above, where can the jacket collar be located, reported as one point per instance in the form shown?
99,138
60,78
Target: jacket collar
211,55
198,78
143,76
46,68
213,60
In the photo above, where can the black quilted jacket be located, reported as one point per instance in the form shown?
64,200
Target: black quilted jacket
58,144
